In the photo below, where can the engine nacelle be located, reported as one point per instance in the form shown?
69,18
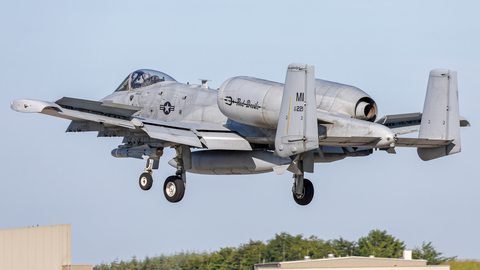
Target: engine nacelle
345,100
251,101
256,102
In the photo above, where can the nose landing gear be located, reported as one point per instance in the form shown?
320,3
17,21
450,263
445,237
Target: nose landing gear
174,186
145,181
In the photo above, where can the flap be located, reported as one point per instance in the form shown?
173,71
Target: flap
192,126
224,141
213,136
180,136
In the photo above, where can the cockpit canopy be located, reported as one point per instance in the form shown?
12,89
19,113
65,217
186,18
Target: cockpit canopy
142,78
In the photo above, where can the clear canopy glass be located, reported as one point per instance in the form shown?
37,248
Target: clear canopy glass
142,78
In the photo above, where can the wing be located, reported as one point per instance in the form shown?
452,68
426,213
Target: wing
80,110
119,119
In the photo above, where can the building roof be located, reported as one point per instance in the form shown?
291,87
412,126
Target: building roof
344,262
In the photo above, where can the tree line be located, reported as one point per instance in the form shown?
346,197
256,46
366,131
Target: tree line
282,247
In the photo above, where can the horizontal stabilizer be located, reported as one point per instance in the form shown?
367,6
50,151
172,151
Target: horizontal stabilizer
408,122
421,142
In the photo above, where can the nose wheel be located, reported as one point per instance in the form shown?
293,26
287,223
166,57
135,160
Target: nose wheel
145,181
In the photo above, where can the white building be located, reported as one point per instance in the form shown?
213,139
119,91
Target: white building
39,248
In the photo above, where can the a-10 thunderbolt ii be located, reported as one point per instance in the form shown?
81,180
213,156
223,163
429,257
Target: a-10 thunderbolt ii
251,126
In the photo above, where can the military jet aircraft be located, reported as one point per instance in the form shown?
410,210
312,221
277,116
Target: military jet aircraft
251,125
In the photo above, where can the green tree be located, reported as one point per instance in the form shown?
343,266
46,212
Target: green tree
379,244
247,255
282,247
428,252
342,247
318,248
285,247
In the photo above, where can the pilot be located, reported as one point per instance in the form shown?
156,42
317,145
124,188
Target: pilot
146,79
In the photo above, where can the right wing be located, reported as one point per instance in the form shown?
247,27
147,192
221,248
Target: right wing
87,115
80,110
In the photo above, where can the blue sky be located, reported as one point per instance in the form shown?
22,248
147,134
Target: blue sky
84,49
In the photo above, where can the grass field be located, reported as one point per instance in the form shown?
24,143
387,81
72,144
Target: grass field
464,265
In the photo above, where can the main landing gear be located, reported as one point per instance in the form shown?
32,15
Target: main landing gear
306,196
174,189
174,186
303,188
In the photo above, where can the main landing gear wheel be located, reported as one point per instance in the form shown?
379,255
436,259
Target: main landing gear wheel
145,181
174,189
307,195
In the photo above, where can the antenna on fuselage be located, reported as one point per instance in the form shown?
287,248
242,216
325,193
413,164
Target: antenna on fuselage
204,83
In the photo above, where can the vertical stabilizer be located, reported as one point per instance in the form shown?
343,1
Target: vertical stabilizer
297,129
441,118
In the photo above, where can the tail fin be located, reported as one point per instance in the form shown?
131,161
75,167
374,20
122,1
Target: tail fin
441,118
297,129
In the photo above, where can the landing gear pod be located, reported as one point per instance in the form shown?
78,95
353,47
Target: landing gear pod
218,162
